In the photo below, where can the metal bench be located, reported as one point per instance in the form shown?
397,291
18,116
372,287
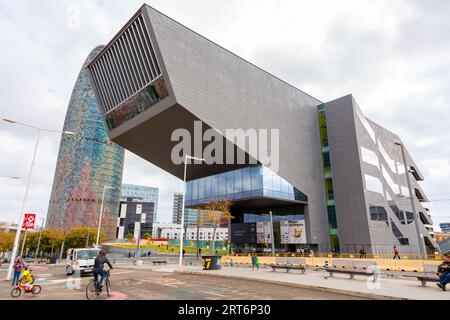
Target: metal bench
159,262
354,268
428,275
289,264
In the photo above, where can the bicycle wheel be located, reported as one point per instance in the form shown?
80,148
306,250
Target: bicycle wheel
108,287
16,292
91,291
36,290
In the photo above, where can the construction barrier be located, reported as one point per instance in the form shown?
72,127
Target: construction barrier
404,265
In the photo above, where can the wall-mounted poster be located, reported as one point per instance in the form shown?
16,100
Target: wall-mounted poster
284,232
293,232
263,232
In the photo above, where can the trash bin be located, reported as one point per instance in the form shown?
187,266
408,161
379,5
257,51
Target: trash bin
211,262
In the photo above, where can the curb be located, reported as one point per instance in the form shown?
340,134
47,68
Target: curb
370,296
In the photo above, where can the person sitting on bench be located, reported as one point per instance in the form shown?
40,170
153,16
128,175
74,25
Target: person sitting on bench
444,273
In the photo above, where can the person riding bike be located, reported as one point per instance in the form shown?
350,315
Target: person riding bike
26,279
99,264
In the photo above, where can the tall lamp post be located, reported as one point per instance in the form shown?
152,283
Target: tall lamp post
413,205
272,236
101,214
184,201
40,236
8,177
17,238
89,229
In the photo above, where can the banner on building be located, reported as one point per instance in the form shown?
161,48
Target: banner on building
28,221
293,232
263,232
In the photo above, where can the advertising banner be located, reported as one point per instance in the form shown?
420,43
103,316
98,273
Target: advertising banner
263,232
293,232
28,221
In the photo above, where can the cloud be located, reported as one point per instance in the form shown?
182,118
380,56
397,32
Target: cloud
394,56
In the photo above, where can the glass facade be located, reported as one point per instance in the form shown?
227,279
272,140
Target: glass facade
328,176
86,163
138,103
252,182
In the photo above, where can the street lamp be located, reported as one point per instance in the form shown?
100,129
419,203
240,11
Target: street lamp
89,229
413,205
39,241
19,229
184,201
8,177
101,214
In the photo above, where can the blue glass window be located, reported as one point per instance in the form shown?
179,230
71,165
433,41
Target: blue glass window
246,180
237,181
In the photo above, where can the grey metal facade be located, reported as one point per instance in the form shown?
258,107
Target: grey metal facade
372,199
199,80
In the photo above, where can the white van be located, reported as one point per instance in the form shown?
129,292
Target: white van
80,260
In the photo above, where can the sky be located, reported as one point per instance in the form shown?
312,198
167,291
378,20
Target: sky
393,56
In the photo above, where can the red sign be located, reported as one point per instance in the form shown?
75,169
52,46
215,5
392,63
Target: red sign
28,221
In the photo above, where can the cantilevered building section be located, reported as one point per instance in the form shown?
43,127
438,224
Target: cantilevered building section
156,76
87,162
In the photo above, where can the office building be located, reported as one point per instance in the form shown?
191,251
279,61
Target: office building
146,194
328,179
135,219
87,162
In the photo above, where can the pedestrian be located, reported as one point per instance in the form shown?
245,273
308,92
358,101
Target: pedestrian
129,254
362,253
19,266
184,252
257,263
200,251
148,254
253,262
444,273
396,253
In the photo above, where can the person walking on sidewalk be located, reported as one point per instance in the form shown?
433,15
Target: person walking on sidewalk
257,263
396,253
444,273
253,262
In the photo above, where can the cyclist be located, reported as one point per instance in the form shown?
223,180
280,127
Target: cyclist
26,279
99,267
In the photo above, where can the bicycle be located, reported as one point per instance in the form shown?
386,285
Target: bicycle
93,290
17,291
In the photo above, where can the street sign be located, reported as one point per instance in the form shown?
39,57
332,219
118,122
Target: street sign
28,221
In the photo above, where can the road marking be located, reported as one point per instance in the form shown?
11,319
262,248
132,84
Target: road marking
214,294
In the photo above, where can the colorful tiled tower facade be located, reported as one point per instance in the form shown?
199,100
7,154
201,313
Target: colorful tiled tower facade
87,162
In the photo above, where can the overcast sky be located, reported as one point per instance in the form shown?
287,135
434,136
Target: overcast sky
394,56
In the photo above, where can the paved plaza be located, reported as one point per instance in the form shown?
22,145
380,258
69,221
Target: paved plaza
163,283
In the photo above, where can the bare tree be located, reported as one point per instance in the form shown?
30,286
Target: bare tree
216,214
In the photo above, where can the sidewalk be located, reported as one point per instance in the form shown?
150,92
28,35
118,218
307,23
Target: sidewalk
407,289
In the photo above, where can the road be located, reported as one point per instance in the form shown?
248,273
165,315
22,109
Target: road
151,285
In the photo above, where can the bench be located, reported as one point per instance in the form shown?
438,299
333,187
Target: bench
287,267
354,268
159,262
289,264
428,275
